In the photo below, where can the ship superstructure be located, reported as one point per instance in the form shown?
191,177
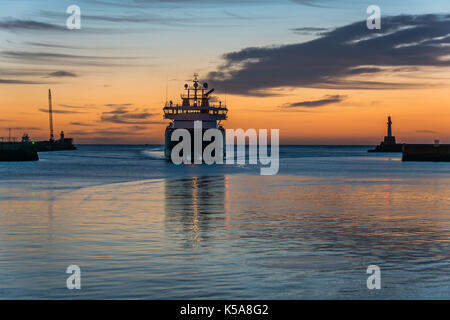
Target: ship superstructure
196,108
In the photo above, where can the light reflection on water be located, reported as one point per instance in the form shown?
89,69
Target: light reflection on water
229,236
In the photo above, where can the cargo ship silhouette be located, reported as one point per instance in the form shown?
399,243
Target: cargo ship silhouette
196,109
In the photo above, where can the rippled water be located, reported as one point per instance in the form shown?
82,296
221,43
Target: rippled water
139,227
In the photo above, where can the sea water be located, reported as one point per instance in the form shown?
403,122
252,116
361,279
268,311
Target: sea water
140,227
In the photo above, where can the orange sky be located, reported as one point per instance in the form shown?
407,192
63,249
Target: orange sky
419,115
123,59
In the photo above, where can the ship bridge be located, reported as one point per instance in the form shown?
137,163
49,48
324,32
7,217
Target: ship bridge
195,105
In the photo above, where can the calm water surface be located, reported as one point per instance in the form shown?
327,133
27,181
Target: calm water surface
139,227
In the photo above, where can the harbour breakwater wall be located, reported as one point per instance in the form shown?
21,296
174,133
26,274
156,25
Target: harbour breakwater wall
426,152
17,151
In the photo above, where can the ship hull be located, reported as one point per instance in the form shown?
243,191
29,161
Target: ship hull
169,144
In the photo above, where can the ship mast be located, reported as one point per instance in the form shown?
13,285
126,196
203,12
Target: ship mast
195,88
50,114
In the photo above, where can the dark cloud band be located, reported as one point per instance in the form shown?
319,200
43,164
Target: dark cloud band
329,99
330,60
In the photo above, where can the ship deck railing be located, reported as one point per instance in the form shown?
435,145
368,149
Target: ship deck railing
195,110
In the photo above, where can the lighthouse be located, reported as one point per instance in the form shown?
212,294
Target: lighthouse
389,123
389,144
389,139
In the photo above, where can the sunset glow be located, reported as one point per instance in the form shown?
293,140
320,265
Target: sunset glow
125,58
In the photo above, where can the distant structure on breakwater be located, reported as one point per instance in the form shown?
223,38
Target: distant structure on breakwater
26,150
389,144
53,145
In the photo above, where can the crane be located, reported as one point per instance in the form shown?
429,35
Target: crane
50,114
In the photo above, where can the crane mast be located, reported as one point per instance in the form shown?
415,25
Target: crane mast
50,114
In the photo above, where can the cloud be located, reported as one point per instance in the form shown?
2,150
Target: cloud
21,128
31,26
312,3
308,30
50,45
362,70
81,124
139,21
177,3
62,73
121,105
18,25
238,15
60,111
21,72
72,107
15,81
122,115
426,131
332,59
46,55
148,18
64,58
329,99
